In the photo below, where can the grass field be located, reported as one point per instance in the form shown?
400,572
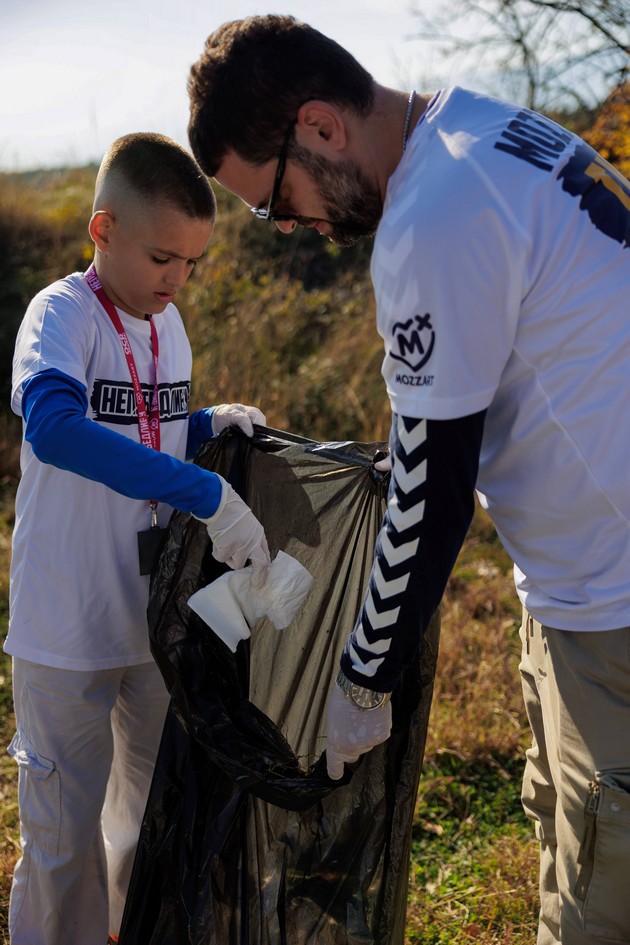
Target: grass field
474,859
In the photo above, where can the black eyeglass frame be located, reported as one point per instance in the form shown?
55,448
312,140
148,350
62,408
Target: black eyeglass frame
268,213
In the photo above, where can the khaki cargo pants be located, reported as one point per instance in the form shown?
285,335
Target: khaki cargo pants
576,785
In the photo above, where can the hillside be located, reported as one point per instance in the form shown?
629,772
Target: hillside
284,323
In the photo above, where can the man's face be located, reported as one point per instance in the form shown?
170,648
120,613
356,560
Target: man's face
334,197
352,204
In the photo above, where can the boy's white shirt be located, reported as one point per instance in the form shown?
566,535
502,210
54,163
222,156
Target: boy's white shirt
77,599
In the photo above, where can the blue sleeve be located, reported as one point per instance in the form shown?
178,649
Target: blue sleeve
199,430
429,509
54,408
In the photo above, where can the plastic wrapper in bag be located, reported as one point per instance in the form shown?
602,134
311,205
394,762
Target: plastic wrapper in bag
245,840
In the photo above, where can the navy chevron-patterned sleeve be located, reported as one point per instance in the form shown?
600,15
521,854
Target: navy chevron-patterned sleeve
430,506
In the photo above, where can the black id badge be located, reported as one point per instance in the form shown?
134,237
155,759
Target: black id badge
149,547
150,543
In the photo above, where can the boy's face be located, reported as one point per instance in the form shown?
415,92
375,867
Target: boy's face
146,253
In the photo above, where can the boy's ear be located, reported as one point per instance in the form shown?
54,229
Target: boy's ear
100,229
321,126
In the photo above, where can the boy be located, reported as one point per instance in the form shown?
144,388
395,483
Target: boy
101,371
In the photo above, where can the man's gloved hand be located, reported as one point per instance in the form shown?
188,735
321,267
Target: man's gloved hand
237,535
353,731
384,465
237,415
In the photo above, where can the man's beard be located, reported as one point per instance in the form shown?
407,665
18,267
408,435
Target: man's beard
353,206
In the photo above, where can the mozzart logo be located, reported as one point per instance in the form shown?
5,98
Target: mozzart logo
413,341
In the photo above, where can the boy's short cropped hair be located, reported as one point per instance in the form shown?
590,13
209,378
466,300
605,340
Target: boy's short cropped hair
158,169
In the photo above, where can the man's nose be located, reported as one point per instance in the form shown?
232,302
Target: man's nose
285,226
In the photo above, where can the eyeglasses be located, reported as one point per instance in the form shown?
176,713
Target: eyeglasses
268,213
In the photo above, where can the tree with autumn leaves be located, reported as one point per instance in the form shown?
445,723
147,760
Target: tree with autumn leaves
610,135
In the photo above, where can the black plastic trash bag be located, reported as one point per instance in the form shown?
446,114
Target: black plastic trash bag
245,840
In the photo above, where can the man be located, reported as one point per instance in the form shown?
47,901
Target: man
501,268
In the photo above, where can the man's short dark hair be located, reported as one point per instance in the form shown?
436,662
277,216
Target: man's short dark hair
253,76
162,171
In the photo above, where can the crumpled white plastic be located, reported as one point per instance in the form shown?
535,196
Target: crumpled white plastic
231,605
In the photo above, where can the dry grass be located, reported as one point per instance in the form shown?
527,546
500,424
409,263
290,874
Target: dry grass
9,829
474,860
478,708
498,908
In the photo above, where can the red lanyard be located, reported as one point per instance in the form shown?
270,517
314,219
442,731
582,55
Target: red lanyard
149,425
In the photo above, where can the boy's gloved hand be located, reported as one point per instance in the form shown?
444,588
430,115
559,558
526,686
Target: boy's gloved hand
236,415
237,535
352,731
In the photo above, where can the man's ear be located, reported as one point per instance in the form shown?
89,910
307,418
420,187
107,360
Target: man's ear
100,229
321,126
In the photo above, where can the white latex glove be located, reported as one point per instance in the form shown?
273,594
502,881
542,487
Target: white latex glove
237,415
237,535
353,731
384,465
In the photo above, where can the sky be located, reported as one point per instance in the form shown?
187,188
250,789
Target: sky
76,75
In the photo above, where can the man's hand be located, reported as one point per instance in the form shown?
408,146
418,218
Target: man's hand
237,535
237,415
353,731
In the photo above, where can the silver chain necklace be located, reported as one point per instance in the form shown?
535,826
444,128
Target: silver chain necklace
412,98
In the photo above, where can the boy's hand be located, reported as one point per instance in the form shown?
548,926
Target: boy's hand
237,415
237,535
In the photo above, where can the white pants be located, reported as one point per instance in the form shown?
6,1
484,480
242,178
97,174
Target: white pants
85,744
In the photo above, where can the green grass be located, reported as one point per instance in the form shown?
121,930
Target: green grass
473,857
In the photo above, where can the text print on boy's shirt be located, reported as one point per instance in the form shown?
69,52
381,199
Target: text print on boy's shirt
603,193
114,401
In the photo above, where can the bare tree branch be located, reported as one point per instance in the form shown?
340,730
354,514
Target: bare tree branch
550,52
599,23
